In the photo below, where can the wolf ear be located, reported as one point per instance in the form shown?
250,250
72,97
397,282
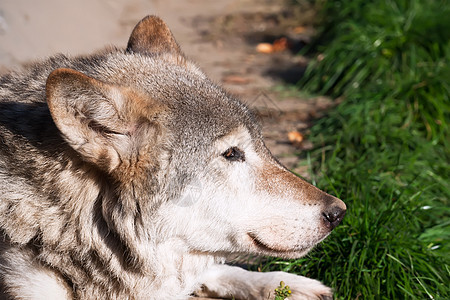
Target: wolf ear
152,36
96,119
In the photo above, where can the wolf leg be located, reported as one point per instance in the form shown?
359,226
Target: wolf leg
230,282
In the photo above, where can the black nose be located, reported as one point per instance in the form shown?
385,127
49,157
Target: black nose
333,216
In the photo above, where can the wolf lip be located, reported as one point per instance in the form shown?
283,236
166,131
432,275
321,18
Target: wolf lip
266,248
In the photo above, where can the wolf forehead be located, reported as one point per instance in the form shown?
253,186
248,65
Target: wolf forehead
198,104
198,107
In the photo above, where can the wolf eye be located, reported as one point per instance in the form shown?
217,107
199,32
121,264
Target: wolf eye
234,154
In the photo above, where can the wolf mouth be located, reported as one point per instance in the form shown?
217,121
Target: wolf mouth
266,248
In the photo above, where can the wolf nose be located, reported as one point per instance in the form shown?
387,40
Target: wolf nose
333,216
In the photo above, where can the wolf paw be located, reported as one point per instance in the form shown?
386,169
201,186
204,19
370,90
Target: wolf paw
223,281
303,288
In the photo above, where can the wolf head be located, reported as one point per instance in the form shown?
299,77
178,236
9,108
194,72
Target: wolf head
182,157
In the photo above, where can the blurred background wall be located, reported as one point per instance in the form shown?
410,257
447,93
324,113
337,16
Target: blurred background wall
31,30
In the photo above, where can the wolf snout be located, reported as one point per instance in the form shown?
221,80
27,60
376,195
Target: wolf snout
333,216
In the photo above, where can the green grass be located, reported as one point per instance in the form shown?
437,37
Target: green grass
385,150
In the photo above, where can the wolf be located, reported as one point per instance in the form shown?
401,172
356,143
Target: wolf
128,174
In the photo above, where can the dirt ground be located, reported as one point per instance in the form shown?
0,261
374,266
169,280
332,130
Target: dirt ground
221,36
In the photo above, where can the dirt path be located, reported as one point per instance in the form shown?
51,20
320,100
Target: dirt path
221,36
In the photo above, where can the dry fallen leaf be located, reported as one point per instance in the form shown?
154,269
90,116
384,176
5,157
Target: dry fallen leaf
264,48
280,44
300,29
295,137
235,79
